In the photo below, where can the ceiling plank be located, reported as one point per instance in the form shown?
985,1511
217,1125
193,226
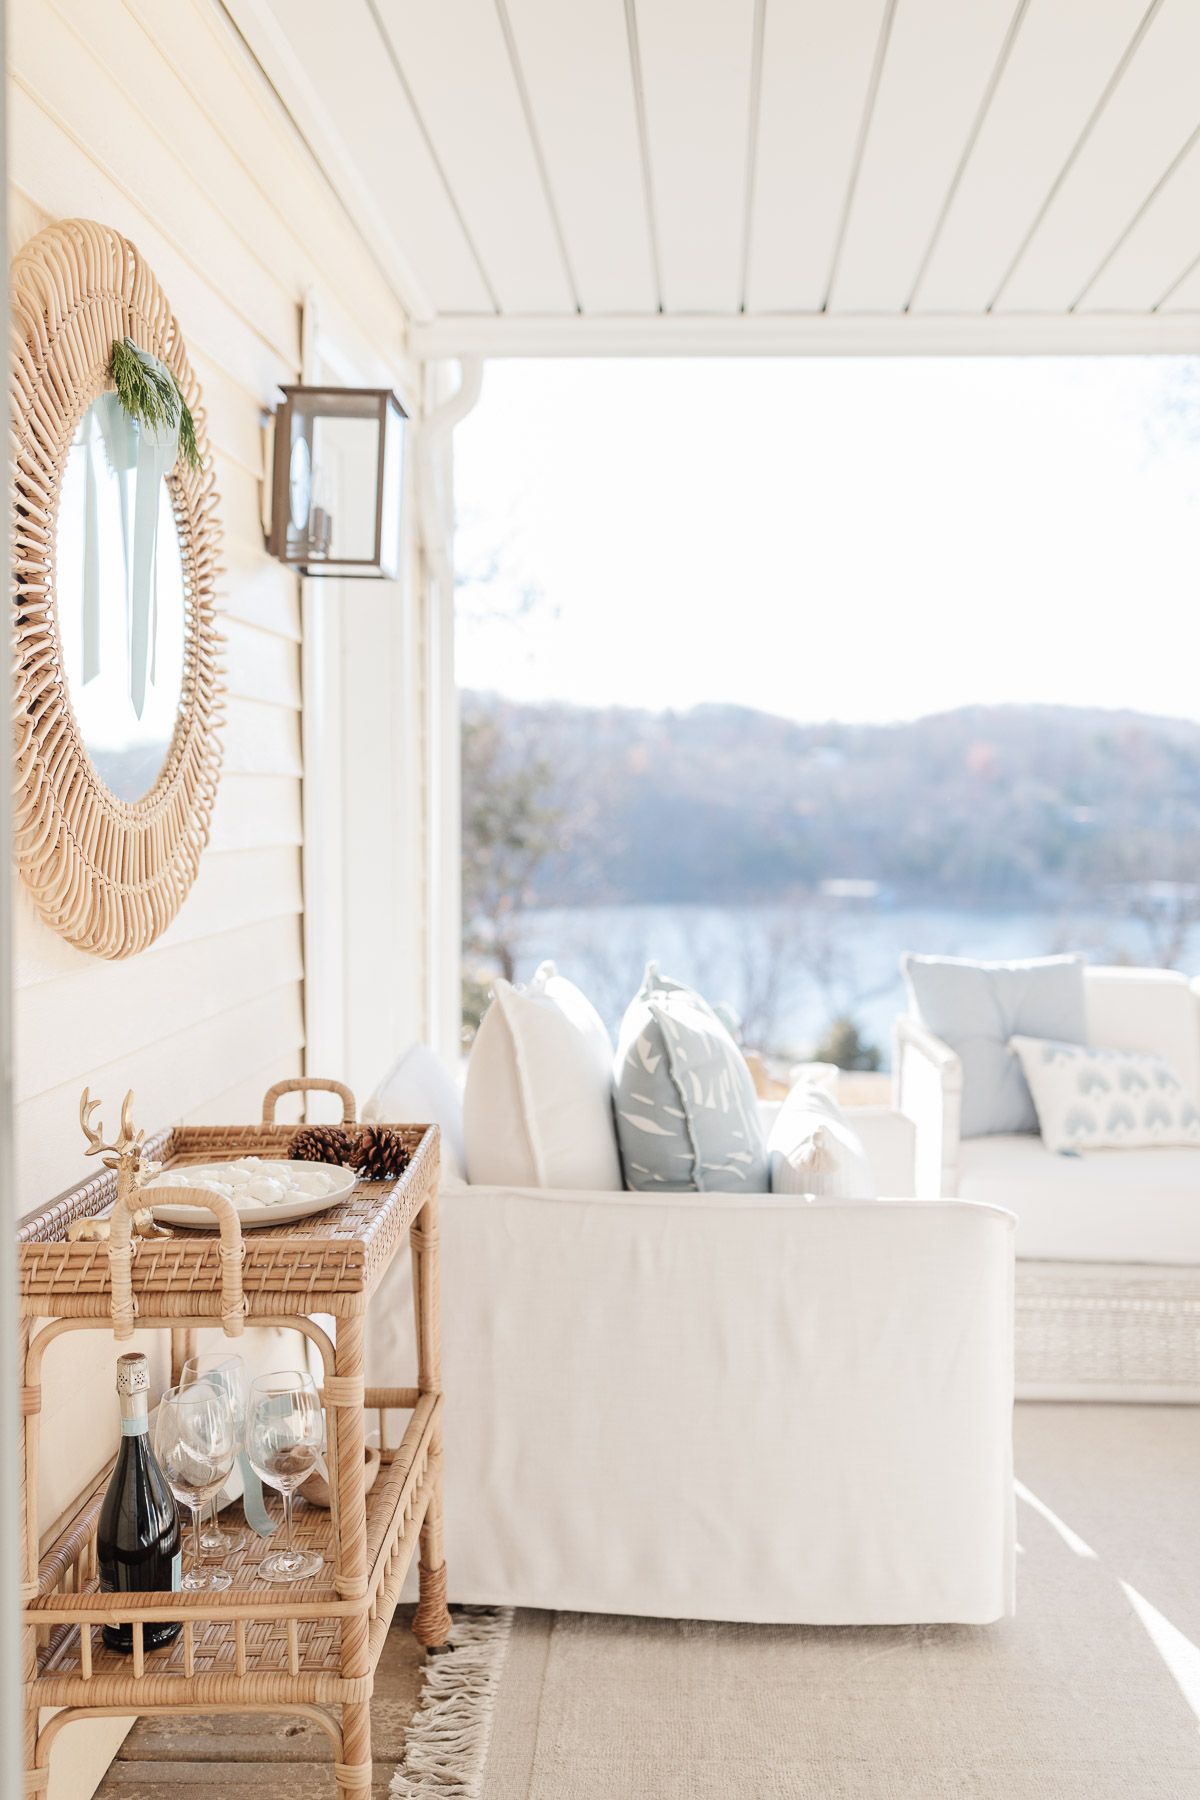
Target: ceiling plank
575,64
1146,123
696,71
941,58
814,334
817,68
336,81
455,62
1158,249
1063,57
1184,297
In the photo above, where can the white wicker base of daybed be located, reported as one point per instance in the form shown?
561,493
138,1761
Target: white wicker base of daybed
1107,1331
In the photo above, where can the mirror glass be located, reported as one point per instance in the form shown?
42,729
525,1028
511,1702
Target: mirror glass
120,595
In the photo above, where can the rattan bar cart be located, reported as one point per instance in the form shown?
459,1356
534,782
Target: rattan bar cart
310,1649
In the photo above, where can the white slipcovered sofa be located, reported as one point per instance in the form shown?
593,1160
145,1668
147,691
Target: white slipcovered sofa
1108,1242
745,1407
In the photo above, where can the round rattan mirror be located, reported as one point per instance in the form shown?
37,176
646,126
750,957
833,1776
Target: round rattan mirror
115,556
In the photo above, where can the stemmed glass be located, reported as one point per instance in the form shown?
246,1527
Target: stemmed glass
195,1440
228,1375
284,1429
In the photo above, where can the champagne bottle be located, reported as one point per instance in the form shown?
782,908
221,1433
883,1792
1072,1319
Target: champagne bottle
138,1541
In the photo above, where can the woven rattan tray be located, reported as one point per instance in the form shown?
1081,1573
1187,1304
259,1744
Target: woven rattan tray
341,1252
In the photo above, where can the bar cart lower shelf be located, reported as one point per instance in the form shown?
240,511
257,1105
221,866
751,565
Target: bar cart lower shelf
249,1633
311,1648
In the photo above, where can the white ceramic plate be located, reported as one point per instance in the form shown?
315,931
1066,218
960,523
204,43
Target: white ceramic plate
250,1212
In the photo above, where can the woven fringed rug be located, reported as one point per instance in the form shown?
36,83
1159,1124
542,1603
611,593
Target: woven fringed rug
1092,1692
446,1747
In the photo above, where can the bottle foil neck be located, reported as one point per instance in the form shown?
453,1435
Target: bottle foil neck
135,1415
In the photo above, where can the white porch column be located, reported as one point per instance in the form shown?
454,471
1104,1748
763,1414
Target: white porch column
448,402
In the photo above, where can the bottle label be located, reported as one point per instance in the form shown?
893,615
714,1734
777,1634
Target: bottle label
177,1572
135,1427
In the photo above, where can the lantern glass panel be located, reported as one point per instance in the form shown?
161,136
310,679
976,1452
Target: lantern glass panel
338,491
345,478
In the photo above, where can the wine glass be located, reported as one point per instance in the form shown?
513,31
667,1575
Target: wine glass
284,1428
195,1440
227,1374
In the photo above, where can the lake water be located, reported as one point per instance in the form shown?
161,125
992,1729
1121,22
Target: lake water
788,970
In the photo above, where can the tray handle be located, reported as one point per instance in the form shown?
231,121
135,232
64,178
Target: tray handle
297,1084
231,1251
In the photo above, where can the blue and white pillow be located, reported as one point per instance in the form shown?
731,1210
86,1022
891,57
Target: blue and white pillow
1094,1099
687,1113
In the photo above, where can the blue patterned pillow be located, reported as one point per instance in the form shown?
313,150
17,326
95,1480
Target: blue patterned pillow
1094,1099
687,1113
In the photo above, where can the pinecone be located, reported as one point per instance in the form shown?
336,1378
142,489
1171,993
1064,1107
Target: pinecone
380,1154
325,1144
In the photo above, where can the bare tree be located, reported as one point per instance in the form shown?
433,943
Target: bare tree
512,823
1154,882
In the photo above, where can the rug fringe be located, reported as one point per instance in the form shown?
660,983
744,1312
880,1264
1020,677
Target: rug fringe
447,1742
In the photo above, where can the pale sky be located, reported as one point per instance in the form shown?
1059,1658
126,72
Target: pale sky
842,538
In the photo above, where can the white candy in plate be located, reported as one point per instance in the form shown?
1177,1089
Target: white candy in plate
264,1190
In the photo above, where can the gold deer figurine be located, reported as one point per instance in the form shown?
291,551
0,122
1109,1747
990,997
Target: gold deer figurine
125,1156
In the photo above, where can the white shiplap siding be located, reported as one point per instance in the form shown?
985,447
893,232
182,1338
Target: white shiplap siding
156,120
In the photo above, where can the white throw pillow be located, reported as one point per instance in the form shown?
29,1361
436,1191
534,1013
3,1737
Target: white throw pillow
814,1149
538,1105
418,1090
1095,1099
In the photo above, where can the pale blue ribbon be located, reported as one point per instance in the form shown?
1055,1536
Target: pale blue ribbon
158,450
152,452
253,1504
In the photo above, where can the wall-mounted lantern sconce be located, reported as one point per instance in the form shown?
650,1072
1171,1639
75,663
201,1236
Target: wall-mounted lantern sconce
338,482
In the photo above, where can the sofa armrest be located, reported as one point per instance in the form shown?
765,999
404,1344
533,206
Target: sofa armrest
889,1140
927,1084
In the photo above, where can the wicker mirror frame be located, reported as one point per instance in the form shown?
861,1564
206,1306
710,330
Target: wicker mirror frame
107,874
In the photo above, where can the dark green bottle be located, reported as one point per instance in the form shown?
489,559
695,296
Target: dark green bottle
138,1541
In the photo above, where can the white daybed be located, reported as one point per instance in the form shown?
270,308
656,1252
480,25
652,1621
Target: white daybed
1108,1243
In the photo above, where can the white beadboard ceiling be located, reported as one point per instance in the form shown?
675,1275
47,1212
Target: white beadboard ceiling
624,176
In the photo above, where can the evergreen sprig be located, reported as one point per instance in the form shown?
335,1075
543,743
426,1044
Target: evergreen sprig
153,397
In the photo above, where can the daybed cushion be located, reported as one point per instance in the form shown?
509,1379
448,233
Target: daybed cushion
976,1007
1135,1206
687,1112
815,1150
1090,1098
418,1090
537,1111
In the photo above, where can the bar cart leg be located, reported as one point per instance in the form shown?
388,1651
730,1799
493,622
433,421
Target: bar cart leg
345,1390
183,1348
431,1622
36,1779
37,1768
355,1771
